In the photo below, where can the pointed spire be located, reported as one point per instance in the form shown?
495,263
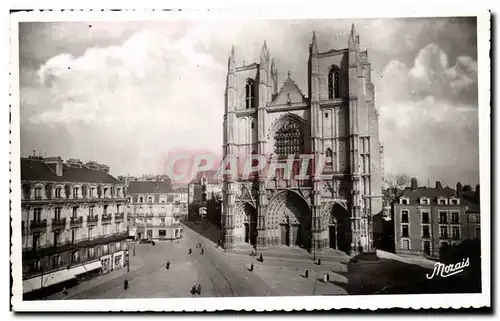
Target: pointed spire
263,52
353,30
232,50
289,74
232,59
273,65
352,35
314,46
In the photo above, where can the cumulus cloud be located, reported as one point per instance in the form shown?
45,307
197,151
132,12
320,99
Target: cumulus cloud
433,108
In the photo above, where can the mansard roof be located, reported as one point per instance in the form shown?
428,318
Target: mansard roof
432,193
289,93
35,169
149,187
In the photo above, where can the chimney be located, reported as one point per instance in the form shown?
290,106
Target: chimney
478,195
459,189
58,162
438,185
414,183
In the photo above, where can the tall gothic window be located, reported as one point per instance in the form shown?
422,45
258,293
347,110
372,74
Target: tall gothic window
333,83
288,140
249,94
328,155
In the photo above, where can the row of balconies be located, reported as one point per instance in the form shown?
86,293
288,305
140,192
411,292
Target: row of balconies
74,222
73,245
73,197
441,237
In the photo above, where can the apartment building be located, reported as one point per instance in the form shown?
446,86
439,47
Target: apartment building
152,211
425,219
73,222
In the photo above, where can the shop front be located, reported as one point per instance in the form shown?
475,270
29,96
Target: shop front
118,260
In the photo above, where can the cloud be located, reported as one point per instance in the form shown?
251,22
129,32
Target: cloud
433,108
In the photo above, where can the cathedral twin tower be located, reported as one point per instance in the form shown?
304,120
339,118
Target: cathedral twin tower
337,120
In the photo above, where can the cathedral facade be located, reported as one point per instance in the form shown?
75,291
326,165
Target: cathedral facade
336,120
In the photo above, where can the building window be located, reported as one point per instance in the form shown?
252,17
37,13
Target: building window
37,215
92,190
91,253
249,94
478,232
75,212
404,201
38,193
56,261
150,199
405,231
58,192
443,244
75,192
326,115
443,232
57,213
406,244
328,155
404,216
163,221
425,218
36,240
427,247
57,237
105,210
426,232
454,201
91,211
288,140
75,257
443,219
141,199
105,192
35,265
90,232
455,232
333,84
473,218
455,218
73,236
424,201
442,201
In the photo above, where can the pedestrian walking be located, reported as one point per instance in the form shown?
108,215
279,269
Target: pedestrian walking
327,277
199,289
324,278
193,290
125,284
202,251
168,265
65,291
319,261
261,258
306,274
251,267
190,251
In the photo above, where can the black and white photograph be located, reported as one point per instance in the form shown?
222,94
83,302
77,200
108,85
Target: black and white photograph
180,161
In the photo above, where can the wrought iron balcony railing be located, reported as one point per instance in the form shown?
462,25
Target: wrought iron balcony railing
92,220
38,226
76,222
58,224
106,218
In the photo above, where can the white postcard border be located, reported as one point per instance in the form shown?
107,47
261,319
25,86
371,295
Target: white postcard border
288,303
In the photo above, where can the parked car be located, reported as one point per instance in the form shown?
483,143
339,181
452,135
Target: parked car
145,241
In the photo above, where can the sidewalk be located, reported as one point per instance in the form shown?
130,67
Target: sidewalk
135,264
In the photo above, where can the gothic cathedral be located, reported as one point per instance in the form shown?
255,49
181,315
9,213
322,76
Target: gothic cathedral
337,119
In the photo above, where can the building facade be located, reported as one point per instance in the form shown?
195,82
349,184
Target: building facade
73,222
425,219
151,210
206,186
336,120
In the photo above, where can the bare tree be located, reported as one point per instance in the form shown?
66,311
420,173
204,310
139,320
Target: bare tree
397,181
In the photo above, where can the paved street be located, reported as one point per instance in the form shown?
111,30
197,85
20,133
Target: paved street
217,273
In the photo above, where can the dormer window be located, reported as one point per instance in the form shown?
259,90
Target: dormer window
75,192
141,200
404,201
424,201
442,201
249,94
454,201
38,193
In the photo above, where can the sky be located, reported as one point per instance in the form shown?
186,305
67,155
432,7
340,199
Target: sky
126,93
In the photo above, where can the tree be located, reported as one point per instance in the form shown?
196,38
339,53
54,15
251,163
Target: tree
397,181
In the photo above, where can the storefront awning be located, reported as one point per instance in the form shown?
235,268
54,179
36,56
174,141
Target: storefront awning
47,280
84,268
